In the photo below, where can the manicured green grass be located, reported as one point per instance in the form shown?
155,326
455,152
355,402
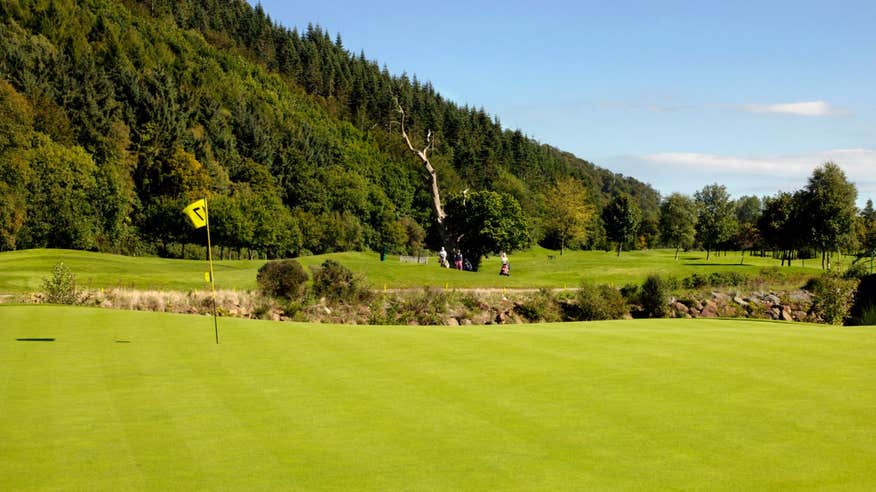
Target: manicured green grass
23,271
665,404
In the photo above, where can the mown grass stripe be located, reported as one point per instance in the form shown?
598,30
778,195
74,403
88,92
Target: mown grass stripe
716,404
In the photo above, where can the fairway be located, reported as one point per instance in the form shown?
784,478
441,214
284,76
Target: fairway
645,404
23,271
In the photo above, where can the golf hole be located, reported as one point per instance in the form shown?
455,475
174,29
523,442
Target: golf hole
35,339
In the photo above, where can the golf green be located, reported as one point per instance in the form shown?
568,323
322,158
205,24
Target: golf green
147,401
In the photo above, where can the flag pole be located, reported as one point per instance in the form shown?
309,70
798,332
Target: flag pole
212,281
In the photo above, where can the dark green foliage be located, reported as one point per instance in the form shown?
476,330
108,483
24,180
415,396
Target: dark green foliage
486,222
716,220
857,270
337,283
654,297
718,279
832,297
621,217
282,278
678,218
601,302
863,310
60,286
828,205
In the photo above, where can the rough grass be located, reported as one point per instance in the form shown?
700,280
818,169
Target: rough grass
660,404
23,271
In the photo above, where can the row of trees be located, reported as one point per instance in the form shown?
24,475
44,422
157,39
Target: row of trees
822,218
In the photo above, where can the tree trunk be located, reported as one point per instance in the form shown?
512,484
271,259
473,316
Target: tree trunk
708,253
424,156
620,245
676,252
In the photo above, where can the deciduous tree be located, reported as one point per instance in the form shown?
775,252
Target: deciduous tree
621,217
569,211
678,218
716,221
485,222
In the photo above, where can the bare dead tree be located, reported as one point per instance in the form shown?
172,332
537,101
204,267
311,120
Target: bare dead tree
424,156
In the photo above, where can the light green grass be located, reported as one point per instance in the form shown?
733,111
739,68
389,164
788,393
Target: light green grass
656,405
23,271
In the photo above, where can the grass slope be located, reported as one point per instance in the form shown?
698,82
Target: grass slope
23,271
692,404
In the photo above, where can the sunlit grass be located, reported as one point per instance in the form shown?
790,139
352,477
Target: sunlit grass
136,400
23,271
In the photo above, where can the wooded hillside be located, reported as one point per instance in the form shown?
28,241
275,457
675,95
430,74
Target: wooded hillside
114,115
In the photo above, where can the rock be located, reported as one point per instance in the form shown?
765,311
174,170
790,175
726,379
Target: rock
772,299
697,305
466,322
710,310
786,314
775,313
451,322
740,301
681,308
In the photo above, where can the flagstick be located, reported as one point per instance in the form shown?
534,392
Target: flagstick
212,281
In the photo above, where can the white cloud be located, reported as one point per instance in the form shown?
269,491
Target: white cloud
747,175
855,162
811,108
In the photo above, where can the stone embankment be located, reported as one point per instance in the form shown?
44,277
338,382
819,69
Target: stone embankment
788,306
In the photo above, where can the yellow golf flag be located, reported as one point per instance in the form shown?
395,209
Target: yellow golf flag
197,212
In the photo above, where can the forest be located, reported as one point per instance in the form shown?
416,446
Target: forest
116,114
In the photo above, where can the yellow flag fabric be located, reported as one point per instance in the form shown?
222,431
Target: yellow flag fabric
206,276
197,213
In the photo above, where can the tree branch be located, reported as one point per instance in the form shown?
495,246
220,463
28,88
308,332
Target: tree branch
424,156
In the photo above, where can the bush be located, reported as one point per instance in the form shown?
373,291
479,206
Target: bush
856,271
654,297
541,306
832,297
337,283
599,302
714,279
60,287
284,278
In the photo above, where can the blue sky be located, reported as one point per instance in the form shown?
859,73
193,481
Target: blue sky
752,95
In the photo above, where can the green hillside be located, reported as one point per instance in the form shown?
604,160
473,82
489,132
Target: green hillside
115,114
147,401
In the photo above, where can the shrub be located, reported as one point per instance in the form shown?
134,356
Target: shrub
631,293
856,271
599,302
541,306
832,297
714,279
60,287
336,283
868,316
284,278
654,297
426,308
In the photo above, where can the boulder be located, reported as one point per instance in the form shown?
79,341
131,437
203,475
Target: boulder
710,310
